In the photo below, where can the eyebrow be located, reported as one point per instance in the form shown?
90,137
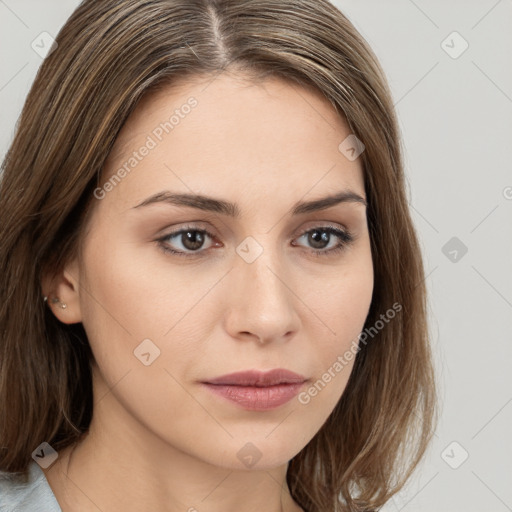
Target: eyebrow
211,204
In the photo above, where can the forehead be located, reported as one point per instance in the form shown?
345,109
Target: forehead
228,134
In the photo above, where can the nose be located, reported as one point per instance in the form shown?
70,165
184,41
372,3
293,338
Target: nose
261,304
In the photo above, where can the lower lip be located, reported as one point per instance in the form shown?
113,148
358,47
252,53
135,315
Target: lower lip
257,398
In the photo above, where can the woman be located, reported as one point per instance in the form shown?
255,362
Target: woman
213,296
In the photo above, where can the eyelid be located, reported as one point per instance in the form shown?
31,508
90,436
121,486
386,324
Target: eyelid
207,228
346,238
323,224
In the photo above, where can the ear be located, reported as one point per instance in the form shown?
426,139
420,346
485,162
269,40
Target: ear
65,287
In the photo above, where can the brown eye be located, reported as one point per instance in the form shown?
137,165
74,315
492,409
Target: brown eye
188,241
319,239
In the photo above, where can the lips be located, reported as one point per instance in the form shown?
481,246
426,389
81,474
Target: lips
258,379
255,390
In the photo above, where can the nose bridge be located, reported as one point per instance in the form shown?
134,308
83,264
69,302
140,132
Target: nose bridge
262,302
260,264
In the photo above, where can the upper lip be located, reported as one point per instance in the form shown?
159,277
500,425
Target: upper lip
258,378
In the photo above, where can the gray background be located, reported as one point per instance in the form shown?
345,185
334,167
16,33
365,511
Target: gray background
456,120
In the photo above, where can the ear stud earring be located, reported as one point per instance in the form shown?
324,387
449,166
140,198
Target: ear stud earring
56,300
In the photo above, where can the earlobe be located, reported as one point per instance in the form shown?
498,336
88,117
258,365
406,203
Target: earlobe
63,296
56,300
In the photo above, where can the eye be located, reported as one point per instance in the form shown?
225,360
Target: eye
191,240
321,237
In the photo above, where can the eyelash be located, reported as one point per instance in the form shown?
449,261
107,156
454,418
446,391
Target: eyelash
346,238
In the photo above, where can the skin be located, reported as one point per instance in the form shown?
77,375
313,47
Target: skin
159,441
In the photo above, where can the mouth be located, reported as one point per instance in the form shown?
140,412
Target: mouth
256,390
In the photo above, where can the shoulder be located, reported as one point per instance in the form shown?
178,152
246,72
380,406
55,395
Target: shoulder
21,492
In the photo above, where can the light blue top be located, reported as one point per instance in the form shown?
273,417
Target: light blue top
35,495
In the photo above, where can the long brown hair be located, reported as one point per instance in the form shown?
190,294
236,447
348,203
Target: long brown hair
110,54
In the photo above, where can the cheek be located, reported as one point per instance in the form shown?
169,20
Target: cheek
117,303
343,307
131,295
126,304
123,290
344,297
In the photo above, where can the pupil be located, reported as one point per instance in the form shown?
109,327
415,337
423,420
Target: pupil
192,240
319,239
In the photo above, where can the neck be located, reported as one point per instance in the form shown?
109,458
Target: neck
120,465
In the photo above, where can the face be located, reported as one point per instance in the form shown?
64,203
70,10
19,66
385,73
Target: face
199,262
